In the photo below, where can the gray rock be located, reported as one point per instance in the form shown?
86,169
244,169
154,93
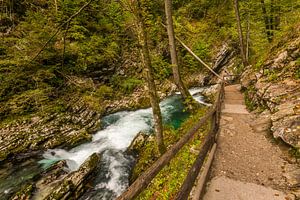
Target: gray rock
72,185
275,88
137,143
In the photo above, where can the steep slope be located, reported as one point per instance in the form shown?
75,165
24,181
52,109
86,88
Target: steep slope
274,87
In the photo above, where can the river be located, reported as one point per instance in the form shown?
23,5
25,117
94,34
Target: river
118,131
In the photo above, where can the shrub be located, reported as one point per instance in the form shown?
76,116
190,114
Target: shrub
104,92
128,85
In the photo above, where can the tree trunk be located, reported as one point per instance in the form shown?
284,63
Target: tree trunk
145,55
64,49
239,26
272,19
267,21
175,67
248,37
277,16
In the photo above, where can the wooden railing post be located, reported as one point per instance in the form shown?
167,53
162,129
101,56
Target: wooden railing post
209,140
188,183
214,121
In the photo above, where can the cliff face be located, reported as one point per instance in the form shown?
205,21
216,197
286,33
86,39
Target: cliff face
275,87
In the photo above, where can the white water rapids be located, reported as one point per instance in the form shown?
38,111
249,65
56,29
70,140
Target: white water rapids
118,131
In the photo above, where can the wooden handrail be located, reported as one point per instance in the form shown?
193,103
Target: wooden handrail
194,170
143,181
209,140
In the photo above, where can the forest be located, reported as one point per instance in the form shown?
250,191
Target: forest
94,92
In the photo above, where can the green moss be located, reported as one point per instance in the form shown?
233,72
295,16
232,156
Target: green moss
248,101
128,85
79,138
297,72
104,92
295,152
24,193
93,102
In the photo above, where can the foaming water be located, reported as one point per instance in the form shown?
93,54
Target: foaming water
118,131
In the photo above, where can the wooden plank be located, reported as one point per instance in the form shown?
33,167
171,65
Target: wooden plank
209,140
188,183
203,175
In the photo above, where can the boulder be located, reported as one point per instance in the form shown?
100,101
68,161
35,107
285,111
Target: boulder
73,184
288,129
137,143
248,77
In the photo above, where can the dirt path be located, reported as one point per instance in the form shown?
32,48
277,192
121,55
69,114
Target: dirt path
247,165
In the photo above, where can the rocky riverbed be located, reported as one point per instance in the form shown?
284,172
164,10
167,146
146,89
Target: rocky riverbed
36,182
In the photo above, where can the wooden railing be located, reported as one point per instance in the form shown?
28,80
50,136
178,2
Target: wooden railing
143,181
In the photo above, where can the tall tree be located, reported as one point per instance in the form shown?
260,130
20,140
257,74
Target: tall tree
271,19
248,37
175,67
240,31
267,21
140,14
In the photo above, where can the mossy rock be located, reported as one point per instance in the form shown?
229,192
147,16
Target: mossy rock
24,194
72,184
79,137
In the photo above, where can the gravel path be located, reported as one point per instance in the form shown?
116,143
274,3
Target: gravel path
246,159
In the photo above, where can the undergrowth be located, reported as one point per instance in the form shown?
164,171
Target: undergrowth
167,183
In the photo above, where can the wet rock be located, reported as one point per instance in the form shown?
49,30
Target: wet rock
49,179
223,57
209,91
72,185
24,193
137,143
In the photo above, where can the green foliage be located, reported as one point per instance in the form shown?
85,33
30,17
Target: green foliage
201,49
169,180
271,74
297,71
104,92
295,152
2,51
259,64
125,85
162,69
248,100
100,42
128,85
